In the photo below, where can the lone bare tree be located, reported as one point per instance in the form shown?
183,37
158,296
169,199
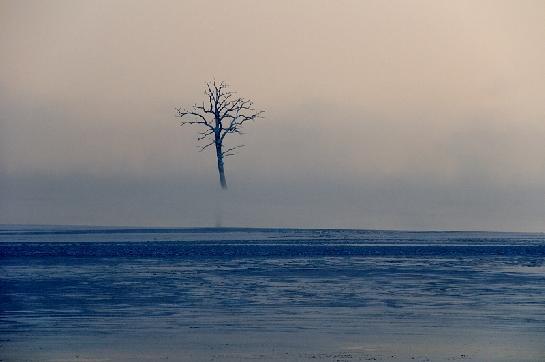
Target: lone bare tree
220,114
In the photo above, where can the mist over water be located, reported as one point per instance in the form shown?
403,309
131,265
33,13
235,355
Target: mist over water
424,115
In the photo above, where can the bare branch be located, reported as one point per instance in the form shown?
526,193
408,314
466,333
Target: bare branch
221,113
202,148
240,117
229,152
204,134
195,117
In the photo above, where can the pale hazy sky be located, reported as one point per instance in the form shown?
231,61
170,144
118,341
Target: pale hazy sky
379,114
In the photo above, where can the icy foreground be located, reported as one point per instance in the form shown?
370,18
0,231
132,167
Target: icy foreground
103,294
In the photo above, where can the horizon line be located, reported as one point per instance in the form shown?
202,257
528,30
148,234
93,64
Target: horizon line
148,227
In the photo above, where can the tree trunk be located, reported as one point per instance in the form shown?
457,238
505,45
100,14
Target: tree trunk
221,170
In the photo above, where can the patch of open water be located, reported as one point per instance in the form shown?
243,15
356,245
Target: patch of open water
270,295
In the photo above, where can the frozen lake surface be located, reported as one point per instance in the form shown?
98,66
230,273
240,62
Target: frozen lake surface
112,294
